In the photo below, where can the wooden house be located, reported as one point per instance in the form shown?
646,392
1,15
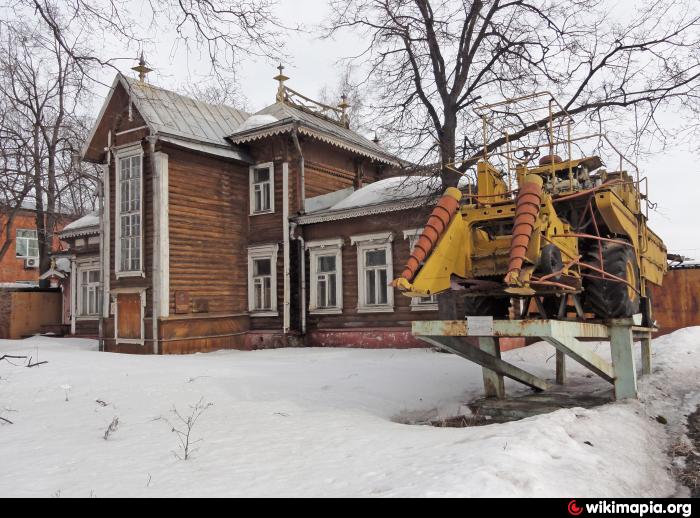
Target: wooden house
80,269
203,244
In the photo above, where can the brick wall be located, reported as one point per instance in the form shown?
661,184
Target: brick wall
11,267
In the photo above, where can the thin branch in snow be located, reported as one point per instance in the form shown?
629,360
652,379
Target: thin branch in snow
111,428
7,358
183,427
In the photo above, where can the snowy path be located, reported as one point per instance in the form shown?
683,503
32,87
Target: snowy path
319,422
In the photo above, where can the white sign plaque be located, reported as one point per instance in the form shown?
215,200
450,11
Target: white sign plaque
480,326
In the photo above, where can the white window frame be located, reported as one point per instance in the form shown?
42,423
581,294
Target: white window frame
263,252
318,249
82,267
419,303
129,291
364,243
123,154
35,238
270,166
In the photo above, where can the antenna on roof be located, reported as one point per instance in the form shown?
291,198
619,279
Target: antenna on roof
281,89
142,69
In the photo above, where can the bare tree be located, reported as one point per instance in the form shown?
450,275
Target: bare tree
432,62
41,90
227,94
221,29
348,86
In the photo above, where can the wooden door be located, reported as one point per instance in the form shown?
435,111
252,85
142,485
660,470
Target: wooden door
129,316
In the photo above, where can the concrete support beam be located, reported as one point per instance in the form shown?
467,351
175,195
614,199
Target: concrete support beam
567,337
461,348
561,368
646,355
581,353
621,344
494,386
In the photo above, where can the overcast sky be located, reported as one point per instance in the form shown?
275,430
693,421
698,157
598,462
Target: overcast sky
674,175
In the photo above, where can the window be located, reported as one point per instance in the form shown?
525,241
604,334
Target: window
422,303
262,199
326,290
129,220
26,244
374,272
262,284
90,294
262,280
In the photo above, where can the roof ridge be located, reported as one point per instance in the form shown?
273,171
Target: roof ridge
132,81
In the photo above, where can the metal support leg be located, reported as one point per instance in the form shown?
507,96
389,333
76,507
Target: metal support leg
561,368
622,343
646,355
493,382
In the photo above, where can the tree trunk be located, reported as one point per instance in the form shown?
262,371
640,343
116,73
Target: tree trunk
447,301
448,145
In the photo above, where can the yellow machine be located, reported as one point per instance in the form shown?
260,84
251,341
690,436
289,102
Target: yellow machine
539,227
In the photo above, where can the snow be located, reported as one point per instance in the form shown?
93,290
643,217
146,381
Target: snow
18,285
393,189
256,121
63,264
91,220
325,422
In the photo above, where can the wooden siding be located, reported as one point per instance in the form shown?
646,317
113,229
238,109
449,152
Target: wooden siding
208,244
329,169
203,333
117,119
395,222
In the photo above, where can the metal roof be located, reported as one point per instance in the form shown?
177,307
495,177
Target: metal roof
174,114
168,113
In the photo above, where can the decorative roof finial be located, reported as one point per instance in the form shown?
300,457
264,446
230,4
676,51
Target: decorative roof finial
142,69
376,138
281,89
344,110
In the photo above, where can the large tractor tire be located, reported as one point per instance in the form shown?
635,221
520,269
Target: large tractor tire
610,298
550,262
486,307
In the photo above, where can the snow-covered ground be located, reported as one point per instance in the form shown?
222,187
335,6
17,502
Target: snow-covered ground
323,422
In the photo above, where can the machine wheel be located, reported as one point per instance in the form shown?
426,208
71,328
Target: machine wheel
609,298
550,262
486,307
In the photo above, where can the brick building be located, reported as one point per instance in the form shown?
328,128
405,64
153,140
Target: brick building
20,265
